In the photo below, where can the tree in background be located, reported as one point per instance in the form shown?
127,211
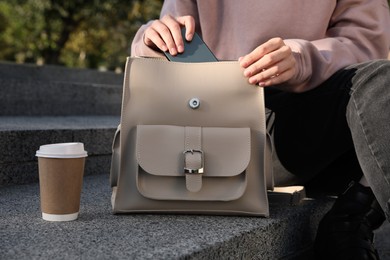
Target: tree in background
75,33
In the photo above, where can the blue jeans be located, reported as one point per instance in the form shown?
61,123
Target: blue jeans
339,130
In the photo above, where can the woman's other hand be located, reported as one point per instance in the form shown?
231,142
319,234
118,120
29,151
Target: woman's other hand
271,63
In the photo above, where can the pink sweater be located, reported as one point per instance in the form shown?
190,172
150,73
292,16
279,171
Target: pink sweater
325,35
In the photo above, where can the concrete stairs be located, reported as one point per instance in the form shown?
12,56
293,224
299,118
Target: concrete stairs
41,105
49,104
98,234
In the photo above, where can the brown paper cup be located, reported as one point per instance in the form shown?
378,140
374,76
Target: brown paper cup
60,181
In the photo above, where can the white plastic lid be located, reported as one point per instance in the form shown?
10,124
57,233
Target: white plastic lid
62,150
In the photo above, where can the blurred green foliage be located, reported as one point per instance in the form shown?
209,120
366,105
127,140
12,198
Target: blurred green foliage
74,33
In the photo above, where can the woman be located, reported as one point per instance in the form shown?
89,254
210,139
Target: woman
319,64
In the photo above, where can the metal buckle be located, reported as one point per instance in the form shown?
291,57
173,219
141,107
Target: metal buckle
193,171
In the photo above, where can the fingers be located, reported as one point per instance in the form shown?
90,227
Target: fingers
260,51
269,64
165,34
274,71
153,39
275,79
189,24
171,34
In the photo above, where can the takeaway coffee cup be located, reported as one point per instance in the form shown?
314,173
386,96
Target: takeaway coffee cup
61,170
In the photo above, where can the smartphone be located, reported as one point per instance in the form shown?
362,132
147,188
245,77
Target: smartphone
194,51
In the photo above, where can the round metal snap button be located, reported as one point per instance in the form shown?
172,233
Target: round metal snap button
194,103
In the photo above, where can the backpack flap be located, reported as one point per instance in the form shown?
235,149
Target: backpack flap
192,163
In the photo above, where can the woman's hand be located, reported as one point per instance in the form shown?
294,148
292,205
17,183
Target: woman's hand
269,64
165,34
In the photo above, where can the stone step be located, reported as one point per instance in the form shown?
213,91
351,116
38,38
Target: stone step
20,137
28,90
98,234
58,73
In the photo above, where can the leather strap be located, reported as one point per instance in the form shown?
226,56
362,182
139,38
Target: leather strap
193,158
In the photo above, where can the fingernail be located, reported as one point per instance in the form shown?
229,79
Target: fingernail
252,81
261,84
247,73
189,37
242,63
180,48
173,51
164,48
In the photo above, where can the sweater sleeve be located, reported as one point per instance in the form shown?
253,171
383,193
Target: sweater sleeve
171,7
358,31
